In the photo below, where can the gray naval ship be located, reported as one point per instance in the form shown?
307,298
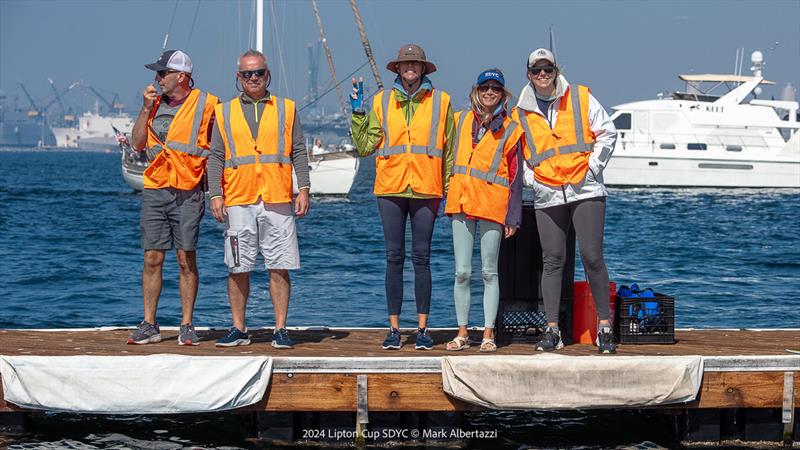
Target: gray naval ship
23,128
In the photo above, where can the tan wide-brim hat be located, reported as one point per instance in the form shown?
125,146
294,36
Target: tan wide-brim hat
411,52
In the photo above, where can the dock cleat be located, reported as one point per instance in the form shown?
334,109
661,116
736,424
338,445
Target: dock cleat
145,333
550,341
424,340
392,341
280,339
234,337
605,341
187,335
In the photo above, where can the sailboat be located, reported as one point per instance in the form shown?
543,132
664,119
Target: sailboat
332,172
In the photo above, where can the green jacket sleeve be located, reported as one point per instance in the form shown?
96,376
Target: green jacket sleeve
367,132
449,149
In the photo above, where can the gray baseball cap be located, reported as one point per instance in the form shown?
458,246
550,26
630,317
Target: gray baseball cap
172,60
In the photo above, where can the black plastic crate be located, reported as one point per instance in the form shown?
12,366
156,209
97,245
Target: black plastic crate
525,321
646,320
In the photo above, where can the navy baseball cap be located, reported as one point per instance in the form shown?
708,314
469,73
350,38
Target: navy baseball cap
491,74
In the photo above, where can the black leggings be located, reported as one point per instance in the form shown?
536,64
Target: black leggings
394,211
588,217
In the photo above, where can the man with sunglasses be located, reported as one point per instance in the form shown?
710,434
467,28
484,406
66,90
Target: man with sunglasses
257,141
568,141
175,129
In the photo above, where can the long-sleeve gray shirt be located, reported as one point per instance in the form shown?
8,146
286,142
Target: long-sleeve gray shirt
253,109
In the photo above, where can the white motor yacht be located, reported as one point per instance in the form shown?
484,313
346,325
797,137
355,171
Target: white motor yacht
699,139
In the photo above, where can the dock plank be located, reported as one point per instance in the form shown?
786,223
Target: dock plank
305,390
366,343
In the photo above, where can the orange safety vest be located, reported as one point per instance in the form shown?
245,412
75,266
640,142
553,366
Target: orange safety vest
181,160
480,183
559,155
410,154
260,168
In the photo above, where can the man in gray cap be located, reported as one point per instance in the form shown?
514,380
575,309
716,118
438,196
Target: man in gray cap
410,129
175,130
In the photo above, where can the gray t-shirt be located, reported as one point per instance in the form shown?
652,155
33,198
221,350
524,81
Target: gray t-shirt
216,162
161,122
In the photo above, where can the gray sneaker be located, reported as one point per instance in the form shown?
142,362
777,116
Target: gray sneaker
187,335
145,333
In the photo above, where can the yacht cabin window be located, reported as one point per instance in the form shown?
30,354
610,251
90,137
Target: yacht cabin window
623,121
696,146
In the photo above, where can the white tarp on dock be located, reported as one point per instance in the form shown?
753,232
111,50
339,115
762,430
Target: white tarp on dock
154,384
549,381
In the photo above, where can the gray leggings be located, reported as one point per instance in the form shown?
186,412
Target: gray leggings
588,217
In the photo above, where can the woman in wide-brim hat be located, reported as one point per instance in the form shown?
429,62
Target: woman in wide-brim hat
484,201
410,129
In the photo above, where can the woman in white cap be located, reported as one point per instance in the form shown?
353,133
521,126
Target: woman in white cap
486,193
410,129
569,138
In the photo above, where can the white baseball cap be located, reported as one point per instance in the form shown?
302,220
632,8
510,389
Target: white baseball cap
174,60
541,53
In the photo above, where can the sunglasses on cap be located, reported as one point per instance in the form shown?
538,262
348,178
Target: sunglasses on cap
164,73
247,74
538,70
487,87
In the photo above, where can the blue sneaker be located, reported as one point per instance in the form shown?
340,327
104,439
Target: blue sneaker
234,337
424,341
392,340
280,339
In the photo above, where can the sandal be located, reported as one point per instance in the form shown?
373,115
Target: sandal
488,345
458,343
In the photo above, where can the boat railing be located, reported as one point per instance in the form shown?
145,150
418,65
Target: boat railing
708,142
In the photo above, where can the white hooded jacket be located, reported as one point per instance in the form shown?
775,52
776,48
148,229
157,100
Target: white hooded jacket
605,133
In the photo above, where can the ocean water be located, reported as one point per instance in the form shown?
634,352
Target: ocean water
70,257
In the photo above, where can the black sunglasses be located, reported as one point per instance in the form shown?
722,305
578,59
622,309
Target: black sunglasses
538,70
493,87
247,74
164,73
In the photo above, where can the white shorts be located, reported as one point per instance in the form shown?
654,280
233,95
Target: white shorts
266,228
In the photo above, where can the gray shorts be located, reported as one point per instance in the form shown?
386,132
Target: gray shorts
171,218
266,228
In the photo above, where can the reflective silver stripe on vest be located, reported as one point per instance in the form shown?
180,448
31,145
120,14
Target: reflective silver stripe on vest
461,121
430,149
263,159
233,162
435,114
523,120
192,148
580,146
281,125
385,120
490,175
279,158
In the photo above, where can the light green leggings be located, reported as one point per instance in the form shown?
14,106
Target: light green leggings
463,243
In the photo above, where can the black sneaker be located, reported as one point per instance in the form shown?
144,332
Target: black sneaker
551,340
392,340
605,341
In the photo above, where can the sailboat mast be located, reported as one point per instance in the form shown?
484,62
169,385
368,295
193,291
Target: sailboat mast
365,43
329,56
260,25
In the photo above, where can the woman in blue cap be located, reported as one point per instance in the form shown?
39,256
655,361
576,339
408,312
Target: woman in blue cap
485,197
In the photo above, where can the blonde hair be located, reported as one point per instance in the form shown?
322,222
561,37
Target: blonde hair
483,114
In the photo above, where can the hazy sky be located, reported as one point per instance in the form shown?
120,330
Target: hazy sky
624,50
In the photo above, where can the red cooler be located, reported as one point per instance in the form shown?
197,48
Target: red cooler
584,314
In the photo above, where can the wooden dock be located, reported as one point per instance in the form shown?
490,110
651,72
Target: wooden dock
329,368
